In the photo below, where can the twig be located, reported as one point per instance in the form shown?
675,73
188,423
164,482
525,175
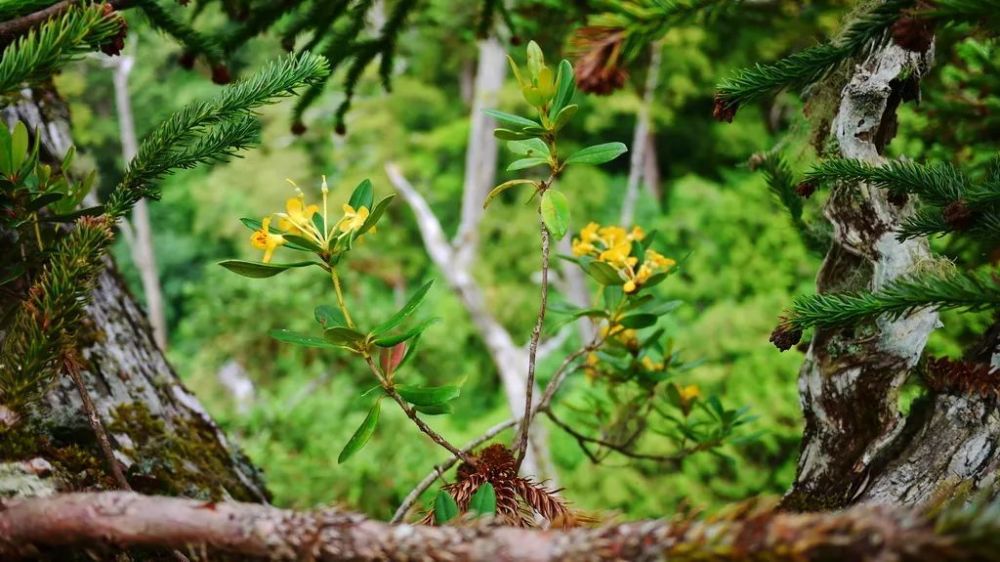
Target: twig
73,368
10,30
521,445
441,467
411,413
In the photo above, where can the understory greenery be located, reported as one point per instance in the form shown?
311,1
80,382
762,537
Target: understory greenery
721,224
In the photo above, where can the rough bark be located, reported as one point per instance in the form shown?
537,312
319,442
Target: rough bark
259,532
162,436
857,446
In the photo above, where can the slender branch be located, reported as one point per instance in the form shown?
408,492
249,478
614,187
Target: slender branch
446,464
865,533
411,413
73,368
10,30
521,445
582,439
340,296
543,404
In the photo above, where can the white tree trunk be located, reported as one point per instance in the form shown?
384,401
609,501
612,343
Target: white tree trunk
141,234
640,143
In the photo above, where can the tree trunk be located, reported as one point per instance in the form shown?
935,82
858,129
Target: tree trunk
640,143
857,446
163,438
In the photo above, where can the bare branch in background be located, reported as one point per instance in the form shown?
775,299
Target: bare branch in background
640,139
140,237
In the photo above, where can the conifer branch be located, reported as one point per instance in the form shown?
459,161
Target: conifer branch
211,130
167,22
966,291
43,329
782,185
10,9
41,52
866,32
938,184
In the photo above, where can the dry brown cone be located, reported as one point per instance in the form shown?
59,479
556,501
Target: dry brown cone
519,499
598,52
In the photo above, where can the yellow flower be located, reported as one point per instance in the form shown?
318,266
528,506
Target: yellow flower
581,248
689,393
637,233
618,255
658,260
650,365
589,232
298,217
354,220
263,239
630,286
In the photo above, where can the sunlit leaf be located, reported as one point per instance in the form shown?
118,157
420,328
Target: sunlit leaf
598,154
555,213
259,270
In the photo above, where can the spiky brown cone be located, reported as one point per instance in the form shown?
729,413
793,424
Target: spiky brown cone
724,110
113,47
958,215
913,33
805,189
598,64
785,336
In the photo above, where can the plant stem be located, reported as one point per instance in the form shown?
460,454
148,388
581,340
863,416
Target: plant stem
73,368
521,445
411,413
340,296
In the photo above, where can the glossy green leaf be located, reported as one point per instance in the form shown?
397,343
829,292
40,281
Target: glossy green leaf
604,273
510,135
504,187
363,195
555,213
509,120
403,313
259,270
640,320
389,341
298,242
362,434
536,59
288,336
445,508
375,214
435,410
428,395
342,335
329,316
5,162
530,147
565,88
526,163
18,145
598,154
564,116
484,501
43,200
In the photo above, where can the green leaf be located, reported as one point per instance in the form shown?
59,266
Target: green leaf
363,195
536,60
5,162
298,242
258,270
555,213
507,134
375,214
428,395
362,434
509,120
526,163
613,296
435,410
18,145
403,313
329,316
43,200
565,88
504,187
564,116
484,501
343,336
640,320
530,147
598,154
445,508
389,341
604,273
288,336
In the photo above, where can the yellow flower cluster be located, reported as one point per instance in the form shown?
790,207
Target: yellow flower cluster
297,220
613,246
627,337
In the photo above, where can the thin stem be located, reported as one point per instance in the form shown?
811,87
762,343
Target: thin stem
340,296
73,368
411,413
38,233
522,439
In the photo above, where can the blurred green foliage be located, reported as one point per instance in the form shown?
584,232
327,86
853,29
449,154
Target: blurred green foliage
740,259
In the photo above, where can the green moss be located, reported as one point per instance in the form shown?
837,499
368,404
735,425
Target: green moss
186,461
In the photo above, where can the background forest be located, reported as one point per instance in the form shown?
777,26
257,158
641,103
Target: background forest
740,259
